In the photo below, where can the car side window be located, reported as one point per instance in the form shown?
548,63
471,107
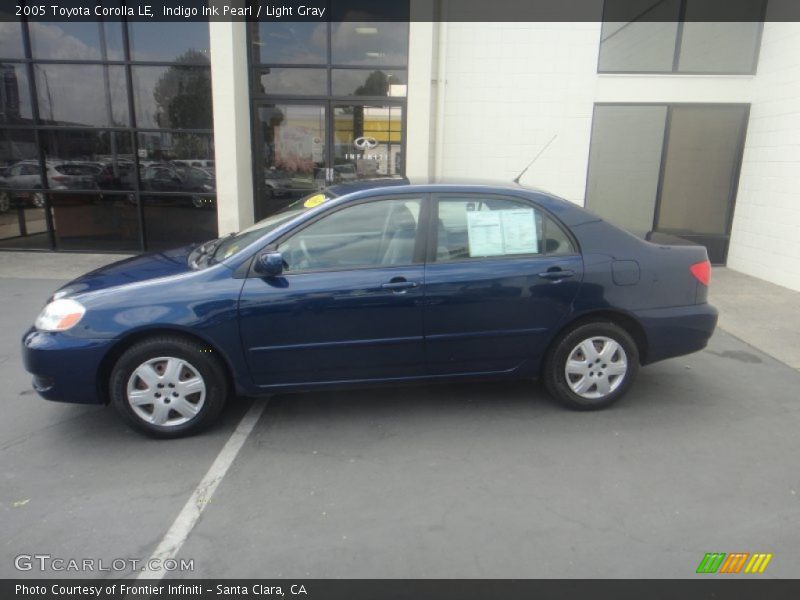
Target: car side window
483,227
556,240
372,234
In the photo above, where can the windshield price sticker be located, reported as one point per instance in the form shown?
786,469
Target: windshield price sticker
314,201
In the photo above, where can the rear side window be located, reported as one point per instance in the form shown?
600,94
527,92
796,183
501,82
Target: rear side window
475,227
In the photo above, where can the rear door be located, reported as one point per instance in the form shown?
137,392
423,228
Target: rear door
501,275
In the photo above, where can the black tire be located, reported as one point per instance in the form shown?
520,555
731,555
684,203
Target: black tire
555,376
199,359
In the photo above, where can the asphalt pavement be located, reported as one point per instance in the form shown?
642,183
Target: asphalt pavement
475,480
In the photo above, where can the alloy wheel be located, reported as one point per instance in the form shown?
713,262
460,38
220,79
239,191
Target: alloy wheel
166,391
596,367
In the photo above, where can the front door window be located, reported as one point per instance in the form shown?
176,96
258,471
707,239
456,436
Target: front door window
375,234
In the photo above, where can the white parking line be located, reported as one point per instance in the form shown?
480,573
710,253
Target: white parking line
173,540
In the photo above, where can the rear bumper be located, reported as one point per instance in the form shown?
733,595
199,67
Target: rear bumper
64,368
676,331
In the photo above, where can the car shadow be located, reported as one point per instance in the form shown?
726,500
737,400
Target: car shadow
656,389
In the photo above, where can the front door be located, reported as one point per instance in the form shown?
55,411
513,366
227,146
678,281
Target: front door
348,306
500,276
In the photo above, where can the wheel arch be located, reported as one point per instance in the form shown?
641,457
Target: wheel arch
620,318
139,335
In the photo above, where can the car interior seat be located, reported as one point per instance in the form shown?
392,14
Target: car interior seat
400,249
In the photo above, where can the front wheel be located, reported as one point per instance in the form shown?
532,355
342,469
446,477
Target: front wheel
591,366
168,387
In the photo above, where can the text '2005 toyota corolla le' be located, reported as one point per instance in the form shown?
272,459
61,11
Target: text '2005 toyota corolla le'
379,283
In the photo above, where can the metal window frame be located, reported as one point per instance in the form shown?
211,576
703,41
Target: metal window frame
678,42
38,127
327,102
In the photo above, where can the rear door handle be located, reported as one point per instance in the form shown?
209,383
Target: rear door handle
557,274
399,286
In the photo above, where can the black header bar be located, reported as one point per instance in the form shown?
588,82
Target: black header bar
399,10
700,588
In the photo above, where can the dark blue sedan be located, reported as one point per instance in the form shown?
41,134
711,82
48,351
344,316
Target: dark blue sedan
374,284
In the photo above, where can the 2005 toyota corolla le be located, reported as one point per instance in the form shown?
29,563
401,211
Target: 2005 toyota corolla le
377,283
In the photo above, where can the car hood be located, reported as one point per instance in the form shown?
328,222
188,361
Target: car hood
131,270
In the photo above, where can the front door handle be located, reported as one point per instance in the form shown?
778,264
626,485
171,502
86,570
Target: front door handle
557,274
399,286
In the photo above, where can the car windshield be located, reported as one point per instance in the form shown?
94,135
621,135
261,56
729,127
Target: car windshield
222,248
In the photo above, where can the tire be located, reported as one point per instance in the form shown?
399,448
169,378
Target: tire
39,200
187,382
5,202
604,361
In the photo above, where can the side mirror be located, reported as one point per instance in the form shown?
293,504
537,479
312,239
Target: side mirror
269,263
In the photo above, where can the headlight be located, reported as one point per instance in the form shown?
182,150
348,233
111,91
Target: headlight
60,315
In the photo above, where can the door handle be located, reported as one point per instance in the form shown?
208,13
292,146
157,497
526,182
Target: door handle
399,286
557,274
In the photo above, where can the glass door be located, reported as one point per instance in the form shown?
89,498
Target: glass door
304,146
700,175
291,153
367,141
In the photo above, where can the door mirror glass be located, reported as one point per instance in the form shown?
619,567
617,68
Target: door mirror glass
269,263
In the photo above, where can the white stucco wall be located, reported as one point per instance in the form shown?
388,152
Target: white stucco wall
765,240
509,88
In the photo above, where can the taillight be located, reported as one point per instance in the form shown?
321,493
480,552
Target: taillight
701,271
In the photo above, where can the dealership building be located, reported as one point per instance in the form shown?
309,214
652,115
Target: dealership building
136,136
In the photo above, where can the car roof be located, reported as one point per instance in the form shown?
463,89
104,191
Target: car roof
341,189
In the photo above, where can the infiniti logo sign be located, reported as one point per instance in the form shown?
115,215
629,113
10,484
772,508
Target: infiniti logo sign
365,143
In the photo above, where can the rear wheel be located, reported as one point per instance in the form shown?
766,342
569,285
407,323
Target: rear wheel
168,387
591,366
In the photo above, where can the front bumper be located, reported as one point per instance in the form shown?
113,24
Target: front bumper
676,331
64,368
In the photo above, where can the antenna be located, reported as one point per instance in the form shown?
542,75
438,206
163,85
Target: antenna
535,158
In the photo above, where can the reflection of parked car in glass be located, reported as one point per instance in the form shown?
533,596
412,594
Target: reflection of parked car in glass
61,175
116,176
166,177
194,162
344,173
277,183
5,197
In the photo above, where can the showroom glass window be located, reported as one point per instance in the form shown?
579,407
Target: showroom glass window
106,139
328,100
681,36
